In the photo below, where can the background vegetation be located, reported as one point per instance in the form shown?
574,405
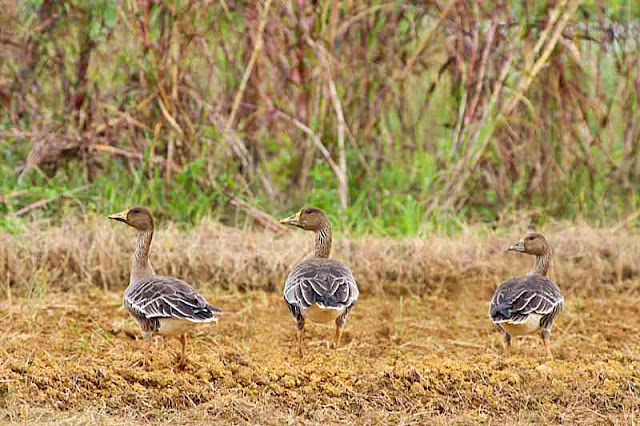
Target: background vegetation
397,117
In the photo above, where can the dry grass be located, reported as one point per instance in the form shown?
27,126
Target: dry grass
93,250
418,348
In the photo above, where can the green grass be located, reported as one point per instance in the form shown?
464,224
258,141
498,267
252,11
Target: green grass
393,201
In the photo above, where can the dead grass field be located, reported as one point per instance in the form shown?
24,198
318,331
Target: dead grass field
418,347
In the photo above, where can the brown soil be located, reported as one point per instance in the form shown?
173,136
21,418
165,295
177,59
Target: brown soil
76,358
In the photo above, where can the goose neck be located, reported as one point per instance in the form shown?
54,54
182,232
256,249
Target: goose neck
323,241
542,264
141,266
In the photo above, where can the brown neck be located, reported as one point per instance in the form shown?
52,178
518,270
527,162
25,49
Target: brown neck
140,266
542,264
323,240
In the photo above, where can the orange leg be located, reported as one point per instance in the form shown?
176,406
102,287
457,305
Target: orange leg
507,344
182,357
149,349
336,342
546,340
340,322
300,337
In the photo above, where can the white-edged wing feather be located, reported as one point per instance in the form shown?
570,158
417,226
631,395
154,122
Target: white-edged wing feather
518,297
326,282
167,297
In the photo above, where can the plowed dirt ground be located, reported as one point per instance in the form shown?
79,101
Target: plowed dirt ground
78,359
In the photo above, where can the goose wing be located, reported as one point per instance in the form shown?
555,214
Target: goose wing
325,282
518,297
167,297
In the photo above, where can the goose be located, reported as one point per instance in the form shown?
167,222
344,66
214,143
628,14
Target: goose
161,305
318,288
530,303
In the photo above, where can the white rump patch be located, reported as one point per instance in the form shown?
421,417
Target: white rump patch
322,314
530,325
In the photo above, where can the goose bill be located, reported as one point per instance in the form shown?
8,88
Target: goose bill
519,246
293,220
120,217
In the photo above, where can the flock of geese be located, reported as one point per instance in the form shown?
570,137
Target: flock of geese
323,290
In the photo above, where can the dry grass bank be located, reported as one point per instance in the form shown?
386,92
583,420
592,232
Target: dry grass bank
96,251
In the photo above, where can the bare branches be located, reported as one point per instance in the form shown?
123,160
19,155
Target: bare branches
426,41
450,103
314,137
257,48
483,135
341,168
260,217
42,203
557,23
